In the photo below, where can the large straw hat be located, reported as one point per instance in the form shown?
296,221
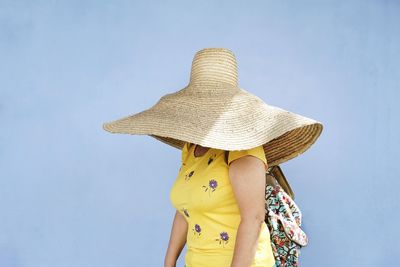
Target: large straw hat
213,111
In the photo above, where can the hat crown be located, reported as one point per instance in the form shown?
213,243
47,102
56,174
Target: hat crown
214,65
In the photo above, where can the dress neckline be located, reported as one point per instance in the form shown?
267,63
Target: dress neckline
193,149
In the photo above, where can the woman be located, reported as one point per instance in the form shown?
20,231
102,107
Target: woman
226,135
219,202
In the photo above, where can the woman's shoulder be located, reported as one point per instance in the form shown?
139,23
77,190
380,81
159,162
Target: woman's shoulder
257,152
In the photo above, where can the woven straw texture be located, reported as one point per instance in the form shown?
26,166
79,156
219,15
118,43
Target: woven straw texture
213,111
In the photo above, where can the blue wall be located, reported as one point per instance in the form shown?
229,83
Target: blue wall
72,194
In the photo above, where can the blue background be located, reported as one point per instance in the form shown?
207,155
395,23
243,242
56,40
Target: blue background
72,194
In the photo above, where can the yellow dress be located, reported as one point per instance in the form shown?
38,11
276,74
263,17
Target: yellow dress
202,193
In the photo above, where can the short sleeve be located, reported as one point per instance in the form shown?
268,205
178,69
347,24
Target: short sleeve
257,152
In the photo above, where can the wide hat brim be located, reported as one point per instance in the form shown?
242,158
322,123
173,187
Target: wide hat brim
222,116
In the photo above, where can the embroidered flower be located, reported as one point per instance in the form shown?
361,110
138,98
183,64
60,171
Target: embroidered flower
190,174
197,229
223,239
185,212
212,185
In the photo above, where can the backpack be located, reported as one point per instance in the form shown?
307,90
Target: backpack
283,218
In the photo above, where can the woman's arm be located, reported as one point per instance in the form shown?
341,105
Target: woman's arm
247,176
177,240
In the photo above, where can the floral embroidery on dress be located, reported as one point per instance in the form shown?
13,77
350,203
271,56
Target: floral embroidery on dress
223,239
187,176
212,185
185,212
211,159
197,229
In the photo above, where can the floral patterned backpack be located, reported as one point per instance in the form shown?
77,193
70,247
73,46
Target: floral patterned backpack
283,218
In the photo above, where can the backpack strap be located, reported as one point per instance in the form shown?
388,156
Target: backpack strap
226,156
